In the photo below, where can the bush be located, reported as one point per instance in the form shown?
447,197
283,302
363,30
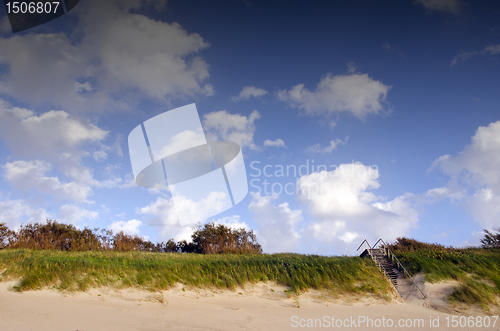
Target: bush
220,239
403,244
6,236
53,235
491,240
207,239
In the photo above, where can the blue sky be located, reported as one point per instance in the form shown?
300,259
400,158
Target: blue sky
397,99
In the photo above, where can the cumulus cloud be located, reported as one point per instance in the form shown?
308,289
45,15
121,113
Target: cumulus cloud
182,141
345,208
333,145
274,143
54,140
488,50
170,213
47,134
277,224
356,93
71,214
476,168
118,55
30,175
231,127
15,212
447,6
130,227
249,91
233,222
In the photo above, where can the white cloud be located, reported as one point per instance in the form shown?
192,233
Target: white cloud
118,57
274,143
233,222
232,127
476,168
249,91
117,145
48,134
30,175
474,240
346,210
170,213
183,140
447,6
129,181
130,227
333,145
70,214
445,192
277,224
351,67
100,155
488,50
357,94
52,140
484,206
15,212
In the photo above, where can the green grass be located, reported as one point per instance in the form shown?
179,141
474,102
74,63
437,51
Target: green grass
476,269
79,271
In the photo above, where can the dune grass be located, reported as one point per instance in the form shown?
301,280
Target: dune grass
79,271
476,269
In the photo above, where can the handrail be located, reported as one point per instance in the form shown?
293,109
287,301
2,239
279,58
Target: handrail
374,258
363,243
367,243
389,254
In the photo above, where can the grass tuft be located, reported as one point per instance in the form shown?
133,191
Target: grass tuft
79,271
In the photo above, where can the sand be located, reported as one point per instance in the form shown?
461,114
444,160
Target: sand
262,306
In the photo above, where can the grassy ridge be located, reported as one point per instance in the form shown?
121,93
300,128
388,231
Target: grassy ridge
159,271
476,269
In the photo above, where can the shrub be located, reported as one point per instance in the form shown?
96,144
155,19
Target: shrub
404,244
6,236
207,239
491,240
219,239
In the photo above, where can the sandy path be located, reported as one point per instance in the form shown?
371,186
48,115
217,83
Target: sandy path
261,307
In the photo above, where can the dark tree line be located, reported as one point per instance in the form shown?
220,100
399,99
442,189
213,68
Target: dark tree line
206,239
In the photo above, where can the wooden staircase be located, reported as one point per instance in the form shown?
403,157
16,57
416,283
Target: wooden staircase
388,263
384,263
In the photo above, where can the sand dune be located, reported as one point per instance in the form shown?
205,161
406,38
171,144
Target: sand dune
258,307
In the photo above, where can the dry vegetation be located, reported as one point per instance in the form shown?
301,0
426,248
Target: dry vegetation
207,239
476,269
62,256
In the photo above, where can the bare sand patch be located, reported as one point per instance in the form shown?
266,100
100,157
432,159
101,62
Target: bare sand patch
262,306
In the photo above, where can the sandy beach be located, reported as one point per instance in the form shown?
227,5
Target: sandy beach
261,306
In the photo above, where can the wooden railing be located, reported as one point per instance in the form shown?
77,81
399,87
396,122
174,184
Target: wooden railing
365,245
387,251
